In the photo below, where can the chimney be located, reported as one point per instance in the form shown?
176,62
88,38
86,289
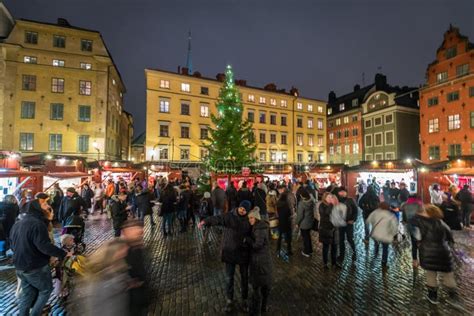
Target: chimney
184,71
220,77
270,87
63,22
380,81
331,97
179,69
241,82
294,91
356,88
197,74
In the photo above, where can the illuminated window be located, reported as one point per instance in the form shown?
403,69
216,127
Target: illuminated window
57,85
262,156
164,84
442,76
320,109
347,149
320,124
85,66
251,98
355,148
299,139
85,87
58,63
331,136
341,107
184,154
454,122
185,87
299,106
310,140
320,140
164,105
284,104
338,122
204,110
262,100
329,111
433,126
310,122
346,119
310,108
30,60
273,101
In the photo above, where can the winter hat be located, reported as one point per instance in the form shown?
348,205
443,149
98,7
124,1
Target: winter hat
272,192
42,195
255,213
246,205
71,190
207,195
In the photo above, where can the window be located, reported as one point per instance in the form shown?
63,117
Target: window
56,111
185,87
283,139
113,82
86,45
85,87
355,118
83,143
164,105
355,148
433,126
331,136
329,111
204,153
273,102
59,41
85,113
27,110
262,100
355,102
31,37
310,122
299,106
341,107
454,122
320,109
299,157
310,157
339,134
85,66
462,70
273,156
184,108
379,156
284,104
283,120
368,123
163,153
57,85
273,138
30,60
251,117
378,121
164,84
368,157
451,52
389,138
29,82
368,140
204,110
471,91
355,131
251,98
164,130
378,139
184,154
299,122
338,149
273,119
388,118
338,122
205,90
310,108
204,133
472,119
320,124
262,138
346,133
452,96
433,101
262,117
262,156
26,141
299,139
346,119
347,149
454,150
331,150
320,140
184,131
284,157
442,76
55,142
310,140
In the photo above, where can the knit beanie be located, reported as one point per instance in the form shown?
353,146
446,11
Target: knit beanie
255,214
246,205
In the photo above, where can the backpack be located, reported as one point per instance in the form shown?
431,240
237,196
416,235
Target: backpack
338,215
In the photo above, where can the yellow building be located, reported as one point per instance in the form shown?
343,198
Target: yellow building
288,128
60,91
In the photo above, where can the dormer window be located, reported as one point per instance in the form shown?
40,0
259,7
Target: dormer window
341,107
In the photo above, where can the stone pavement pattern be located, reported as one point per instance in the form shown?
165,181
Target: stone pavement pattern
188,279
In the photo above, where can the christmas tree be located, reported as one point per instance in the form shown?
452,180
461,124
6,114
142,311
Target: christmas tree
231,143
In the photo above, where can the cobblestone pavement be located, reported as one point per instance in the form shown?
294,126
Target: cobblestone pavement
188,279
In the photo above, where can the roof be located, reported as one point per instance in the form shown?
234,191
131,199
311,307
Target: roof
67,175
346,99
278,91
140,140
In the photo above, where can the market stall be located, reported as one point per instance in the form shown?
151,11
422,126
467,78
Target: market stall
325,174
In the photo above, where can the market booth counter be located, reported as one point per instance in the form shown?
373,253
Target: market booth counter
325,174
118,169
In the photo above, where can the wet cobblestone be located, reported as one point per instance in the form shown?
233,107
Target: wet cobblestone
188,278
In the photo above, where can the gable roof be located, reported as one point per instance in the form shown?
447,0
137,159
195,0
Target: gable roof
140,140
346,99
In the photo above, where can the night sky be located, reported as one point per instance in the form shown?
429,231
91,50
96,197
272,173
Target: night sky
314,45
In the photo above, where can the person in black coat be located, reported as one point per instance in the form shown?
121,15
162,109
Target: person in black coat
284,222
347,232
244,194
118,210
57,198
9,211
87,194
143,202
368,203
71,203
451,213
231,196
183,206
260,263
260,200
465,197
168,200
327,231
234,250
435,243
404,193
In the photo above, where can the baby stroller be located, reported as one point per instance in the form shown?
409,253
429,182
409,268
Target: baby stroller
75,226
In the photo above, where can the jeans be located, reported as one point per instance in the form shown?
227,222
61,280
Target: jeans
183,218
346,232
259,299
288,237
167,221
244,280
36,286
384,251
466,215
333,247
414,248
307,245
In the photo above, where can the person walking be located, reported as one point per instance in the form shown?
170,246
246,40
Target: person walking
386,192
384,226
305,221
284,222
56,199
98,200
347,231
436,194
368,203
118,210
451,214
32,251
411,208
260,200
394,194
271,202
9,211
327,231
71,203
144,205
404,193
183,206
435,243
234,251
260,263
168,200
218,199
465,197
87,194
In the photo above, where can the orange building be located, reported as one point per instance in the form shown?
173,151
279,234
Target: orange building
447,101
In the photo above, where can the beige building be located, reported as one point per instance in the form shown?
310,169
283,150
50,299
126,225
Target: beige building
288,127
60,91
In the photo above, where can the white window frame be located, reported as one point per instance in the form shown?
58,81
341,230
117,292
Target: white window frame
385,118
166,105
381,139
299,106
320,109
204,110
185,87
30,59
378,156
331,150
264,154
346,119
433,125
273,101
58,63
310,122
393,137
355,148
381,121
86,66
452,126
341,107
311,140
368,157
390,154
371,141
284,104
331,136
368,121
310,108
299,139
262,100
164,84
338,122
251,98
347,149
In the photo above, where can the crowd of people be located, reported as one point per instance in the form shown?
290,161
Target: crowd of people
245,215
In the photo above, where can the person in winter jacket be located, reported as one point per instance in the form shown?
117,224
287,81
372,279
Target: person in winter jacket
70,204
260,263
410,209
451,213
305,221
435,243
260,200
183,206
231,196
218,199
87,194
118,209
109,189
368,203
56,198
347,232
284,222
234,250
9,211
384,226
327,231
404,193
465,197
244,194
271,201
143,203
436,194
168,199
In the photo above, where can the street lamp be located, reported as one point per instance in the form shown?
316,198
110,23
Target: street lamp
96,147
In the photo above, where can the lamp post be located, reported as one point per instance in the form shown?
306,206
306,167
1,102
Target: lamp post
96,147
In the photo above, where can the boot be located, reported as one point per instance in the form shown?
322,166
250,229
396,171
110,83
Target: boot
432,295
453,299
